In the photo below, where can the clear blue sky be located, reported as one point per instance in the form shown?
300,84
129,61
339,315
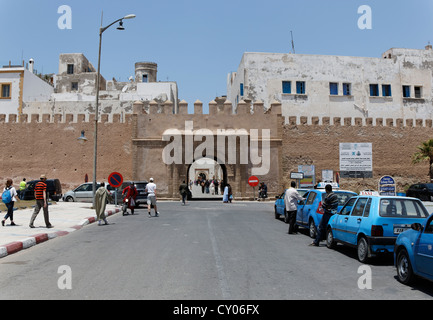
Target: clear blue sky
198,42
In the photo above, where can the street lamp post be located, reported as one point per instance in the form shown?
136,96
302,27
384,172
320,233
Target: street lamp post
95,150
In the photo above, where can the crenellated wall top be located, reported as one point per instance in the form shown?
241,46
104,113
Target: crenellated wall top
225,108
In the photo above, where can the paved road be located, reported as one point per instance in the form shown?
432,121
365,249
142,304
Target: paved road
205,251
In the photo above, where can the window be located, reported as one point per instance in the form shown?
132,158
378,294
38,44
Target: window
402,208
367,209
359,207
74,86
418,92
70,69
300,87
311,198
333,89
406,91
347,89
348,207
5,91
287,87
386,90
144,78
374,90
242,89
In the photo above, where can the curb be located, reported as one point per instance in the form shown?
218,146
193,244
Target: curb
17,246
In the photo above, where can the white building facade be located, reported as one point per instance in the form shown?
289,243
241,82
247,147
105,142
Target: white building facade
397,85
75,90
19,86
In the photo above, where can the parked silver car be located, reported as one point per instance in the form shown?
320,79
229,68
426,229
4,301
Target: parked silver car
84,192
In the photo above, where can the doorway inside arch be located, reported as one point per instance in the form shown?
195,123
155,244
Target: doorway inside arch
207,178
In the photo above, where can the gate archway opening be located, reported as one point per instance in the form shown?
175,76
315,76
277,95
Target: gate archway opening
207,178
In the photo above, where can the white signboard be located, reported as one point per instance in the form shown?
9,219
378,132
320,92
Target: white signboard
356,160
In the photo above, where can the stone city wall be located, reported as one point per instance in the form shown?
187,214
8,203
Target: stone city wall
34,145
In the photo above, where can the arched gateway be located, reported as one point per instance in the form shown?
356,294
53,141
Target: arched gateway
246,142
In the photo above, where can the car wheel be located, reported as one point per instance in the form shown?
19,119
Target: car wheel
362,250
277,216
312,228
330,242
69,199
404,268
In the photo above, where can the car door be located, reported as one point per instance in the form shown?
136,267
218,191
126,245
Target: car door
424,250
340,221
280,204
84,192
354,220
301,205
309,204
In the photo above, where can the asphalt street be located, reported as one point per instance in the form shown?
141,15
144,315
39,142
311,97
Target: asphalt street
202,251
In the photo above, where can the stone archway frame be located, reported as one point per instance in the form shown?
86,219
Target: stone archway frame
155,133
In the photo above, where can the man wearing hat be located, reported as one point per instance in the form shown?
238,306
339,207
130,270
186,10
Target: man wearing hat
151,197
41,202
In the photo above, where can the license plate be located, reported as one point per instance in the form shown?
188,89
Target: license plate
399,228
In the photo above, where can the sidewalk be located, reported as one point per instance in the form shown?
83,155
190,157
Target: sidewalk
66,217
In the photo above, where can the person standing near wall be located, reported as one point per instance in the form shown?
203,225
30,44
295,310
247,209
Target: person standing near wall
22,188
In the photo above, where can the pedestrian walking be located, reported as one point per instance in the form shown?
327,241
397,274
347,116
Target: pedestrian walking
291,198
330,205
151,197
131,194
41,202
183,190
9,197
101,197
226,194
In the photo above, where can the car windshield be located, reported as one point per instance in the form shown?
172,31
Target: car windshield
402,208
342,197
429,186
140,185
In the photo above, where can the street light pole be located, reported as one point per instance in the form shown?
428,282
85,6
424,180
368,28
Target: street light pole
95,148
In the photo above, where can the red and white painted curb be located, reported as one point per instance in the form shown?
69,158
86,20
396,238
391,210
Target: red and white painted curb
16,246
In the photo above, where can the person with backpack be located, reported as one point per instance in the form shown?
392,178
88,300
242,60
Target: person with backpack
9,196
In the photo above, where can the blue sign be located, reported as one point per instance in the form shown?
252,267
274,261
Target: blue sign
386,180
387,186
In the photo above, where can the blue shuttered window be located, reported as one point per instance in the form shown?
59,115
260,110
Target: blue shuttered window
333,89
386,90
406,91
374,90
287,87
300,87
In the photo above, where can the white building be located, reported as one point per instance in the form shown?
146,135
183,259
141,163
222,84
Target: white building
19,86
75,91
396,85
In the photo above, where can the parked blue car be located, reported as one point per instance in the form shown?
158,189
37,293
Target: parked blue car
280,207
413,254
372,223
310,211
